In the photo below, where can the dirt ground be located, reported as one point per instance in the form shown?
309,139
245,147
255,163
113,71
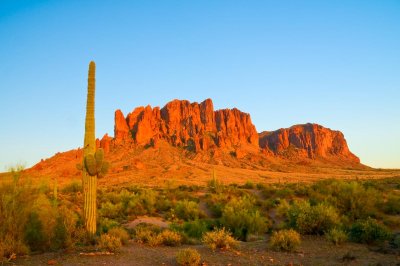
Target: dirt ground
313,251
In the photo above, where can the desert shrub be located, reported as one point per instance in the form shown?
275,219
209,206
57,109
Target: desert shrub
16,199
110,210
197,228
163,203
148,234
120,233
105,224
219,238
148,199
34,235
242,218
188,257
392,205
286,240
309,219
170,238
336,236
368,231
249,185
109,243
350,198
396,241
187,210
65,228
73,187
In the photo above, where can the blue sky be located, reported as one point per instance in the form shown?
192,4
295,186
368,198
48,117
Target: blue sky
336,63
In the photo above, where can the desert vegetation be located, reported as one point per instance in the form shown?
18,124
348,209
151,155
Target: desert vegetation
279,215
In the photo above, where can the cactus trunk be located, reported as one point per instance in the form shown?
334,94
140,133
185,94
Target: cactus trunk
90,182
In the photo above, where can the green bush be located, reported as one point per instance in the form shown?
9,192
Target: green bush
170,238
105,224
219,238
242,218
34,235
148,199
392,205
350,198
147,234
286,240
188,257
368,231
16,200
110,210
73,187
188,210
396,241
249,185
120,233
109,243
336,236
197,228
312,219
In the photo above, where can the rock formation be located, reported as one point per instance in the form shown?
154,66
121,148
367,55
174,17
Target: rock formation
197,127
308,140
191,125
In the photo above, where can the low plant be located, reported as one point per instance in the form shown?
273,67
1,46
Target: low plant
145,234
369,231
336,236
309,219
188,257
285,240
170,238
219,238
197,228
242,218
187,210
120,233
109,242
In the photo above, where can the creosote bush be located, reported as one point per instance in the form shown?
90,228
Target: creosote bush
120,233
188,257
242,218
285,240
170,238
369,231
188,210
154,236
219,239
309,219
109,242
336,236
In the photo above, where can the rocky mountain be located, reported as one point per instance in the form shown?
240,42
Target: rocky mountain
194,126
308,141
197,127
183,140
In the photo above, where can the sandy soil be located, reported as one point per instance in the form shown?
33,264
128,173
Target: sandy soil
313,251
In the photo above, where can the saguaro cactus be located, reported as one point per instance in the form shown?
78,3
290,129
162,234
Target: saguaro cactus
93,162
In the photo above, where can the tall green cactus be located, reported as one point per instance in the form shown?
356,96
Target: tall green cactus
93,163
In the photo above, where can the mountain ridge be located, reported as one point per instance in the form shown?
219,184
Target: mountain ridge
184,139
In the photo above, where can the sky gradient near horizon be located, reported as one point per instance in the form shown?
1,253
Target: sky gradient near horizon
335,63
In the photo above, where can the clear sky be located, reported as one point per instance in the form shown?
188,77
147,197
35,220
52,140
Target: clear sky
336,63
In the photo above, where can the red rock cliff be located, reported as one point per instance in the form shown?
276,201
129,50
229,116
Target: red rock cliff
193,125
309,140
